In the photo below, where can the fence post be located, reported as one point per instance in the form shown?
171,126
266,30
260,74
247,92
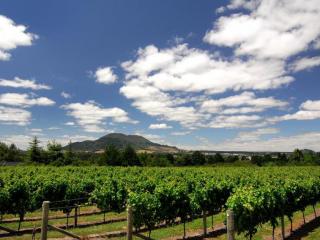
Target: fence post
45,216
76,216
230,225
283,234
129,223
204,215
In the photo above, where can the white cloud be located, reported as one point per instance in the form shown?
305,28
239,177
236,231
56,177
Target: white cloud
54,128
309,110
14,116
161,83
105,75
237,121
273,28
90,116
24,100
237,103
256,134
168,83
159,126
69,124
308,140
220,10
13,36
180,133
305,63
65,95
23,83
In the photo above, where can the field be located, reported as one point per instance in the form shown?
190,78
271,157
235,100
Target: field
171,198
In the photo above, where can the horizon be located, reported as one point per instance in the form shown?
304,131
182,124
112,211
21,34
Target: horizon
219,76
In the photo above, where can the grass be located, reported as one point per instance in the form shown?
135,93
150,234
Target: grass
173,231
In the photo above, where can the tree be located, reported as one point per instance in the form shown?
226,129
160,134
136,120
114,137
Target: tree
129,157
34,151
69,154
296,156
217,158
13,154
256,159
112,156
54,153
3,151
282,158
197,158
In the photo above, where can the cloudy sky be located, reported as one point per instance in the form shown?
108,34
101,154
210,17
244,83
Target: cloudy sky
218,75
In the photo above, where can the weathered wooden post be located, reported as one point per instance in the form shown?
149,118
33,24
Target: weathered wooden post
45,217
283,234
230,225
129,223
204,223
76,216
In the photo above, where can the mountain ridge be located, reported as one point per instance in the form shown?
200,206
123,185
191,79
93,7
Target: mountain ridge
120,140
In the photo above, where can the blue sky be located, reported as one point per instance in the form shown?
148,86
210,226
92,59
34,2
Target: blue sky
219,75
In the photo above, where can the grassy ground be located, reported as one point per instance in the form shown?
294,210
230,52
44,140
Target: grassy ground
174,231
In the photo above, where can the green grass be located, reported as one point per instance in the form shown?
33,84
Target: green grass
173,231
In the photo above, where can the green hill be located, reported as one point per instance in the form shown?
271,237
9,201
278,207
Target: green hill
121,140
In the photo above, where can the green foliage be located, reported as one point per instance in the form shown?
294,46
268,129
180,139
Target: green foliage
54,154
197,158
111,156
9,153
129,157
34,151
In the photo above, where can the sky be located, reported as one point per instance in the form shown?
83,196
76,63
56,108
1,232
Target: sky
214,75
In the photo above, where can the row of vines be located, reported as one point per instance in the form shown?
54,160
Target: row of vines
162,195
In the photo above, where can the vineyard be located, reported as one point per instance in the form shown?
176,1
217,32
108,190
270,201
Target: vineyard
164,196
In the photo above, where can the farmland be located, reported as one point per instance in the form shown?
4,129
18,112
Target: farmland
259,197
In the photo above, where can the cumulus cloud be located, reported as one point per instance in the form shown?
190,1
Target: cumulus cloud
237,121
14,116
161,82
23,83
13,36
159,126
256,134
246,102
69,124
65,95
24,100
105,75
305,63
180,133
272,29
90,116
309,110
309,140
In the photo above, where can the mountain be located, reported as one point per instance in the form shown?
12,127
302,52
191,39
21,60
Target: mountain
121,141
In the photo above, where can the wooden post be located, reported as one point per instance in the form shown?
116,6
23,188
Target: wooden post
129,223
230,225
283,234
76,216
204,223
45,217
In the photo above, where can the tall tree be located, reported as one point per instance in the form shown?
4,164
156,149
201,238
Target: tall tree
197,158
54,153
129,157
112,156
69,154
34,151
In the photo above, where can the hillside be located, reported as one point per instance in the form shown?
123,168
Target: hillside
121,140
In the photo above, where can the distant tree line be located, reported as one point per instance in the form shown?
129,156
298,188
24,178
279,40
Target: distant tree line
55,154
